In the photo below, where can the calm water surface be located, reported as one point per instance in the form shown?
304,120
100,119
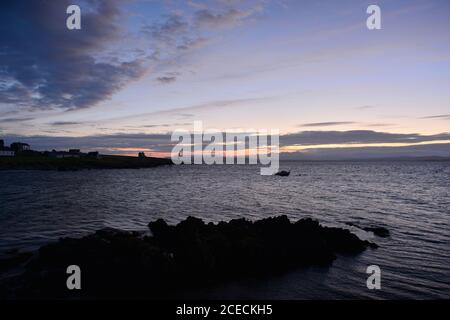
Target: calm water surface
411,199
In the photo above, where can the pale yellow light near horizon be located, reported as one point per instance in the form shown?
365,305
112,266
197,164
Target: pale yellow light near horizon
296,148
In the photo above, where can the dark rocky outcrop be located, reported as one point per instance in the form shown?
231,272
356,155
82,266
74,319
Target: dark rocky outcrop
283,173
13,259
124,264
42,162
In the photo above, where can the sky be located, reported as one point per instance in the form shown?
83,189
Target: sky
139,69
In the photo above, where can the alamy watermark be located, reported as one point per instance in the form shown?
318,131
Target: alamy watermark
73,21
373,22
374,280
73,281
234,146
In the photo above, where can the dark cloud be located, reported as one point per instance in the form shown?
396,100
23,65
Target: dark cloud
172,36
168,29
372,153
379,124
44,65
173,73
11,120
356,137
13,93
326,124
442,116
166,80
339,123
64,123
186,115
187,112
207,19
175,36
367,107
190,44
167,125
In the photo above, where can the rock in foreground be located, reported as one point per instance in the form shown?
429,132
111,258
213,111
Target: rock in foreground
120,264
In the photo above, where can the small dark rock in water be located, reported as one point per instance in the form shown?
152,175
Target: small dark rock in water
283,173
123,264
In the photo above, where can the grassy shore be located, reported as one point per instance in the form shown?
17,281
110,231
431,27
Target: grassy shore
40,162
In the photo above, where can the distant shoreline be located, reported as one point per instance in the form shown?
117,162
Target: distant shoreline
38,162
422,159
41,162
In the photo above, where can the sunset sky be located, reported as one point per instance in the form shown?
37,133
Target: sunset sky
137,70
